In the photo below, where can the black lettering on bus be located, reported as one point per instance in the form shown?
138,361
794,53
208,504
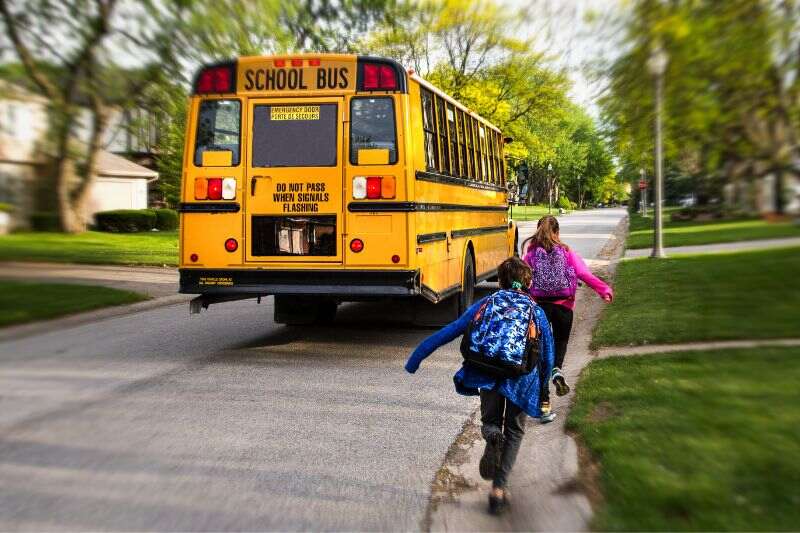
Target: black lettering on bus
260,80
302,84
248,85
343,78
292,79
320,78
280,80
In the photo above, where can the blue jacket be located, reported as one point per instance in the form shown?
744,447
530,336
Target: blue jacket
522,391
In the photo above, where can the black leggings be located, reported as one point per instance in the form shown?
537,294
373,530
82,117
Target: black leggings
560,318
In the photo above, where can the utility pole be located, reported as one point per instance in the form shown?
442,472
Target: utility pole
657,64
549,188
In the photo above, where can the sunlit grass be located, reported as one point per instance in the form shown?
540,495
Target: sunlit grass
694,441
690,233
150,248
25,302
742,295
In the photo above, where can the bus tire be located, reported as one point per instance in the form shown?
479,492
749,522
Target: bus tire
467,294
516,244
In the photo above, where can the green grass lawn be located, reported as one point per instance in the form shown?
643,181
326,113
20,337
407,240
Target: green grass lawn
150,248
704,441
522,213
742,295
25,302
691,233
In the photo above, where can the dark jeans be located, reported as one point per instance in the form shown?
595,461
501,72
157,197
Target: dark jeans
499,415
560,318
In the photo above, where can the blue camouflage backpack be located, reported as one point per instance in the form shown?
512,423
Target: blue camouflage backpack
502,339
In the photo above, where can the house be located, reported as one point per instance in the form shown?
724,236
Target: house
119,183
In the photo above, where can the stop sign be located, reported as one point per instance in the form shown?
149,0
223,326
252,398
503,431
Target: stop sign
642,184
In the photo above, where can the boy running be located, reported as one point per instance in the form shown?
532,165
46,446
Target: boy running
505,402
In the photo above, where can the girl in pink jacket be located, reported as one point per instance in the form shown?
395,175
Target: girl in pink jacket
556,271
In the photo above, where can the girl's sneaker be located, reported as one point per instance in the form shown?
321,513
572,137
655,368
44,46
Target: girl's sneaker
492,456
562,387
547,413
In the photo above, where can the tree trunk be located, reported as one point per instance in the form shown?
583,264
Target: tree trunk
778,191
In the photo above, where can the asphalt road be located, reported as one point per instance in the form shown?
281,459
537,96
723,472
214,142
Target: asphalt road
226,421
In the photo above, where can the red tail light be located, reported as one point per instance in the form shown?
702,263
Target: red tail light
388,79
373,187
215,188
193,258
377,76
313,62
231,245
371,76
216,79
395,259
280,63
297,62
356,245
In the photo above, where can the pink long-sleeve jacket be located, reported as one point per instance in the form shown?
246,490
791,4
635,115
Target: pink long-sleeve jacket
583,273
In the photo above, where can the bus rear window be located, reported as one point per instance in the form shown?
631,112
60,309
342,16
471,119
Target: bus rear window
287,135
372,127
218,129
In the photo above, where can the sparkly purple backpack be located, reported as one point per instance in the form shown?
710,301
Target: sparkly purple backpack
553,276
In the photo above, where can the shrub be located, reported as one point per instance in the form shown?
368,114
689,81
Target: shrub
45,221
6,208
565,203
126,220
166,219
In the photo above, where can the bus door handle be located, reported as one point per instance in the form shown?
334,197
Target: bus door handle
253,182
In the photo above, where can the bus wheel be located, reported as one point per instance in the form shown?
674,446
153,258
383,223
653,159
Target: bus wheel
516,244
296,310
467,294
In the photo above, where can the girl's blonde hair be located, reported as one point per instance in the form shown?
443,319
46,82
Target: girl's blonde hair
546,235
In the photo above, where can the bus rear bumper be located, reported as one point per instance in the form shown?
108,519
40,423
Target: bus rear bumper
340,284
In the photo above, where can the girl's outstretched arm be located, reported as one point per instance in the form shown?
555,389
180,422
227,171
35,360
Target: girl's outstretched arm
441,337
585,275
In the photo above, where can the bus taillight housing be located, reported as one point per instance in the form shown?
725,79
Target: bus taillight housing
379,74
374,187
219,78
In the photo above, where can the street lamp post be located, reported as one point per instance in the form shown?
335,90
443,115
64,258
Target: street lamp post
549,188
579,192
643,192
657,65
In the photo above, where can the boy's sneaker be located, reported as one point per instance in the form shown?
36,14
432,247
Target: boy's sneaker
562,387
498,506
547,413
490,462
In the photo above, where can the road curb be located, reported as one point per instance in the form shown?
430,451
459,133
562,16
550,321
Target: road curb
79,319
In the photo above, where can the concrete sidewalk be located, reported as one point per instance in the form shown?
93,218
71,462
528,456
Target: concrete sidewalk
546,488
155,282
719,247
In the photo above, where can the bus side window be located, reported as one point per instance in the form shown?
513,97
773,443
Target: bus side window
476,149
444,156
372,127
462,146
218,129
429,130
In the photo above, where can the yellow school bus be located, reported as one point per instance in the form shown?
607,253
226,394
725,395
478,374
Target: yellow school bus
325,178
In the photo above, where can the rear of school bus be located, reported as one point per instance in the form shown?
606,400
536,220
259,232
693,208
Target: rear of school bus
293,171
